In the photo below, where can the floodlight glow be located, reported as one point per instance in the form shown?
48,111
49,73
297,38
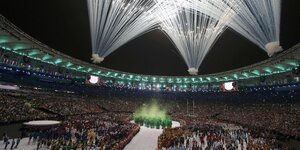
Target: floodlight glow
229,86
93,79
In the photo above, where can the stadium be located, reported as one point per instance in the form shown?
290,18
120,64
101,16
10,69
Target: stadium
57,99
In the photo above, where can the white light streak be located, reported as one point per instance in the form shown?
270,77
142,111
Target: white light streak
114,23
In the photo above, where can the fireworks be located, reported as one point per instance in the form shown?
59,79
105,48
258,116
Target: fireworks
113,23
192,25
256,20
192,31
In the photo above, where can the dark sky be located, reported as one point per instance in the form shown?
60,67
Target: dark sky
64,25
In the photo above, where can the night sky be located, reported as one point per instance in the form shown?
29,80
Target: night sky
64,26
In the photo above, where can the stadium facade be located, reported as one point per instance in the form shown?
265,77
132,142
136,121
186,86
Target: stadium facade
20,53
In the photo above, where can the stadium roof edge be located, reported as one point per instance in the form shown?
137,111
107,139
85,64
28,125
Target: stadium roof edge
25,44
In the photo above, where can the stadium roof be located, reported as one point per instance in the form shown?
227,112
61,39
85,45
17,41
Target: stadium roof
15,40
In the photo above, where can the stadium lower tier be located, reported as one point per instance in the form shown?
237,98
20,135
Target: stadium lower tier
272,111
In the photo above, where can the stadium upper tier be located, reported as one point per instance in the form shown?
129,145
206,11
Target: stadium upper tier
15,42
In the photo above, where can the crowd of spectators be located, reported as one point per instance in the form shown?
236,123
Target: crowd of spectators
102,131
68,105
88,131
281,118
212,135
281,115
274,112
16,107
26,105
